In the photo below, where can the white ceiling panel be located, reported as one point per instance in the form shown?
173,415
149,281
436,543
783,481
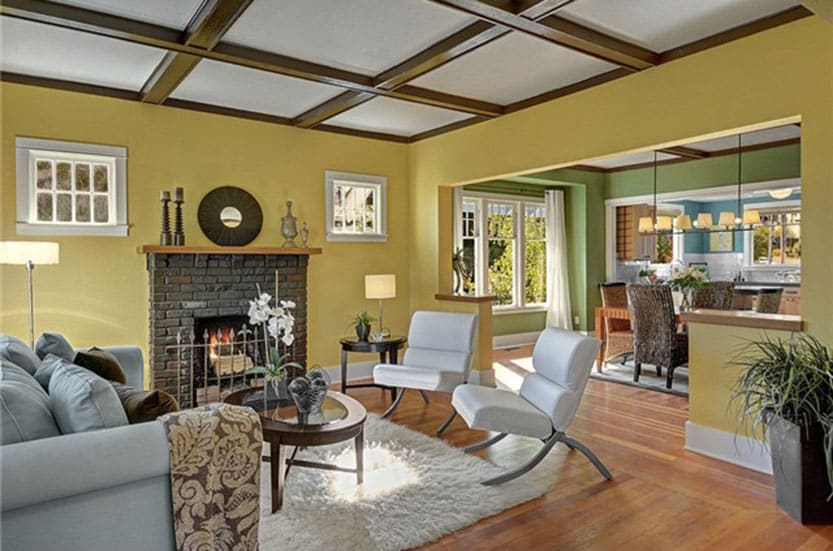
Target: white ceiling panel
167,13
396,117
661,25
364,36
750,138
512,68
53,52
237,87
631,159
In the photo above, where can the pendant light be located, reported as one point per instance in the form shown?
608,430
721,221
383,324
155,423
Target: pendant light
648,224
727,218
683,222
704,221
781,193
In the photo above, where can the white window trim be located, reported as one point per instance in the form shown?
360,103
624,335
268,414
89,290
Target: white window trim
481,237
380,235
26,148
748,237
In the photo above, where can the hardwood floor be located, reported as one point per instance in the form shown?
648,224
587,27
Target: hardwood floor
662,497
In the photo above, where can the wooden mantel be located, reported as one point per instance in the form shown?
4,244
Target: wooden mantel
163,249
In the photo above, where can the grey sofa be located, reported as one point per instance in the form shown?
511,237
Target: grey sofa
102,490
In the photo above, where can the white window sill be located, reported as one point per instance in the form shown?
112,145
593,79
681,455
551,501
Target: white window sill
117,230
358,237
509,310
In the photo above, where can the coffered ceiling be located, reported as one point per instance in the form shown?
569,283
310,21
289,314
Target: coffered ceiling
399,70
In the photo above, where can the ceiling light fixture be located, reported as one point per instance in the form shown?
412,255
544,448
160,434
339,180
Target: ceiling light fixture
780,193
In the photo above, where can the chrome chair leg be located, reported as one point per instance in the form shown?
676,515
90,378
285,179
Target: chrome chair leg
528,466
395,403
573,443
424,397
486,443
447,422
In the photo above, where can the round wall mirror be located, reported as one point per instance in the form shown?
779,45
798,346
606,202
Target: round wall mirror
229,215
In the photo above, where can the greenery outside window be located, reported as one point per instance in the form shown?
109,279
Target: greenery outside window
503,239
777,241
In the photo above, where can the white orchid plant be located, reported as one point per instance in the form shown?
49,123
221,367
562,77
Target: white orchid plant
278,322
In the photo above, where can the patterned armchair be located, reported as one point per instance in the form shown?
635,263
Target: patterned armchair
656,340
715,295
619,340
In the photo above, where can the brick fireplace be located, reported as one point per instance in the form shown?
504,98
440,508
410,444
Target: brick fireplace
194,292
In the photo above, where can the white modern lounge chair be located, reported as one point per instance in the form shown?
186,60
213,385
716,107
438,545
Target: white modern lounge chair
438,358
546,405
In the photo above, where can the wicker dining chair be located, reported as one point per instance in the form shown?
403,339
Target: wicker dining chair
656,340
619,341
715,295
769,301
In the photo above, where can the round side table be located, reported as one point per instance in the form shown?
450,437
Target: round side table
388,350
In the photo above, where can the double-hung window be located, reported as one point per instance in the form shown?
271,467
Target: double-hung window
355,207
502,241
69,188
777,241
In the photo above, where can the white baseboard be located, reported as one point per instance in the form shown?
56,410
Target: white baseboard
728,446
355,371
516,339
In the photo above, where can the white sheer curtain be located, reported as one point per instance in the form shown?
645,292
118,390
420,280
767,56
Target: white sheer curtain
559,313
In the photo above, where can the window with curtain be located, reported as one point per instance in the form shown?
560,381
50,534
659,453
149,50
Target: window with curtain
503,245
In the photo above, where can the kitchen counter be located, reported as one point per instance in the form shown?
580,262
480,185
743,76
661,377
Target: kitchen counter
744,318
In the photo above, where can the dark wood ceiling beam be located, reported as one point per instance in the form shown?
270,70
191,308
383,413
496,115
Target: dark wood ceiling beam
136,32
535,9
206,28
683,151
331,108
562,32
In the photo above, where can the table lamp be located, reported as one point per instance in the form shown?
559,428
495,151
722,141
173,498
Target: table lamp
29,254
380,286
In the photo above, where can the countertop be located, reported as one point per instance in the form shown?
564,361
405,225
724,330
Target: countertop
744,318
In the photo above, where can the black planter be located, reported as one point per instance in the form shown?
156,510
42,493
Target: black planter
362,331
800,470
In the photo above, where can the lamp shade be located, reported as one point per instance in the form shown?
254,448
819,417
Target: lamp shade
683,222
23,252
727,218
704,220
751,216
663,223
380,286
646,224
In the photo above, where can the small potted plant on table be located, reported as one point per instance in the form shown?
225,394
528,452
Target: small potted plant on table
362,324
787,389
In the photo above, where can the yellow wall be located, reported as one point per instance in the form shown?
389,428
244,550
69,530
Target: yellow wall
97,295
781,75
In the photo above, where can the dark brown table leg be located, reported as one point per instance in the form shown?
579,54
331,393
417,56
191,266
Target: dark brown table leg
360,457
278,473
343,371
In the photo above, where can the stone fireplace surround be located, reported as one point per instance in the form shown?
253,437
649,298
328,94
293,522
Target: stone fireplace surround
186,286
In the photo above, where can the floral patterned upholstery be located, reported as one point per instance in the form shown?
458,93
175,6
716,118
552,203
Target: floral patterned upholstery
656,340
715,295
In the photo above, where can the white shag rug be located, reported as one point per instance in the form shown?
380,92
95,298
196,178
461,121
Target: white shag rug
416,489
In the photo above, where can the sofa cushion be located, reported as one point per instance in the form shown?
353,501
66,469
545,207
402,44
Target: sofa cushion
54,343
102,363
19,353
144,405
47,367
82,401
25,412
11,372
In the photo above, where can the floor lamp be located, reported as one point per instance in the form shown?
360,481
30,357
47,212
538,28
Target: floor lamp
29,254
380,286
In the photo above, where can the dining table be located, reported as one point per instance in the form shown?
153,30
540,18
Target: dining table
611,312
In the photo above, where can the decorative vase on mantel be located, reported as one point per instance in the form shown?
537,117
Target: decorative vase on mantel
289,227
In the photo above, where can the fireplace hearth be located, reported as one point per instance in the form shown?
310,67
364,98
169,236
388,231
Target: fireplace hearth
200,342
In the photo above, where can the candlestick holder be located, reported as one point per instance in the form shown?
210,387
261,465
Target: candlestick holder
304,235
179,232
165,237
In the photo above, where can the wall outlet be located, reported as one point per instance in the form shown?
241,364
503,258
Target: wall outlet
576,321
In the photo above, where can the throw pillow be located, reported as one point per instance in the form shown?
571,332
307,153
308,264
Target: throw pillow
102,363
144,405
82,401
54,343
26,414
11,372
19,353
47,367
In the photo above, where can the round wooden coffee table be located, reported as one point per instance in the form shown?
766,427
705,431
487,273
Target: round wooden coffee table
341,418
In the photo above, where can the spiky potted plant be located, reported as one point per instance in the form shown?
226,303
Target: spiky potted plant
786,391
362,323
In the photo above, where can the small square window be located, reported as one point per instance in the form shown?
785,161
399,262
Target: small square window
355,207
69,188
